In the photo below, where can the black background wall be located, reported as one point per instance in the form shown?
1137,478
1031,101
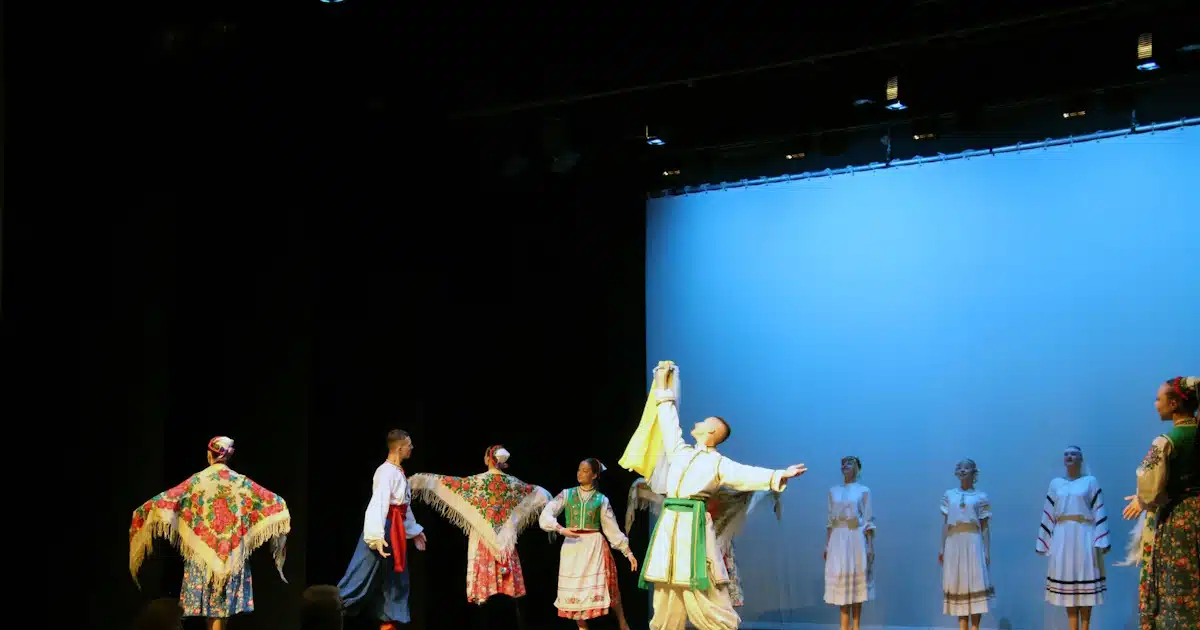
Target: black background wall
250,287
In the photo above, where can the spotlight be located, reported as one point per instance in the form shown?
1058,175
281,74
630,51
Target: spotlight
1145,53
653,141
893,95
794,156
670,173
330,1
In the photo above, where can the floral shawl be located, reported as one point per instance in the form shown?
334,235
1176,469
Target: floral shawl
216,518
496,507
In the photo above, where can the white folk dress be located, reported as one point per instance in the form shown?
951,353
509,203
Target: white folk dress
848,575
1074,534
966,584
587,574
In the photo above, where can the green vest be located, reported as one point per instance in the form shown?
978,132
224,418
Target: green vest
1181,470
583,514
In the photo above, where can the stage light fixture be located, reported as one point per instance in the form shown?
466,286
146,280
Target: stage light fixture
330,1
670,173
1075,114
653,141
893,95
1145,53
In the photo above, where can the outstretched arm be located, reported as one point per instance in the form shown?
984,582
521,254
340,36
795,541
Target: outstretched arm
752,478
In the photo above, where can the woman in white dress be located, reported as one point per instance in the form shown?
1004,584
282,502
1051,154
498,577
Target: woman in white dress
587,575
849,546
966,548
1074,534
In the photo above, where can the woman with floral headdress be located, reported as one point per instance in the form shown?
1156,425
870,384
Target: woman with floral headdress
966,553
217,518
1073,534
1167,540
492,508
587,575
849,545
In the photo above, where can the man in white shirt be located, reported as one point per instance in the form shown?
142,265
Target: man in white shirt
377,580
684,562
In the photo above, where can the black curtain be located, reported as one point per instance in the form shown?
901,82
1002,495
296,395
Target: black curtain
304,310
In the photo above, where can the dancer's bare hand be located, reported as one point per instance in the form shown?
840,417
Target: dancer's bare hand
941,558
419,541
632,563
1134,509
794,470
568,533
377,546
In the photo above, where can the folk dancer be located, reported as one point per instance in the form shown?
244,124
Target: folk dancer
492,508
966,549
683,545
1073,534
1166,543
587,574
377,580
216,518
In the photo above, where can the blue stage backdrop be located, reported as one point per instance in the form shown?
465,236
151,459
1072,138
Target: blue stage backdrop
998,308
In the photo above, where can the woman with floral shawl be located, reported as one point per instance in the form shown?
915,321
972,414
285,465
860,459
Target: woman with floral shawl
1166,541
492,508
216,518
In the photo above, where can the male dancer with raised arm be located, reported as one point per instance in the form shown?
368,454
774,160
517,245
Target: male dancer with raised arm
683,547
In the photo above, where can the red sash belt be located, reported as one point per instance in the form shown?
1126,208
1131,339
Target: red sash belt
398,538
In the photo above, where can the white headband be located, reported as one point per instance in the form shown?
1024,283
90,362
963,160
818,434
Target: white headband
501,455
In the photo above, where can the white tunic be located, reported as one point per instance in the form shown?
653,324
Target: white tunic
966,582
695,472
389,487
848,576
1074,534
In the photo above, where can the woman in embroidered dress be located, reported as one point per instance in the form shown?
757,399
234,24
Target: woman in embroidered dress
1074,534
217,518
966,548
587,575
849,545
1167,541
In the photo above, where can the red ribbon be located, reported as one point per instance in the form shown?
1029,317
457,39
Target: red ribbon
398,538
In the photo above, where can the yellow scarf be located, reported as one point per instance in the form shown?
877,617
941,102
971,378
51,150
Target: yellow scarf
646,446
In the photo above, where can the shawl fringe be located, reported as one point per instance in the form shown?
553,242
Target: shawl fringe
1133,548
164,524
464,516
